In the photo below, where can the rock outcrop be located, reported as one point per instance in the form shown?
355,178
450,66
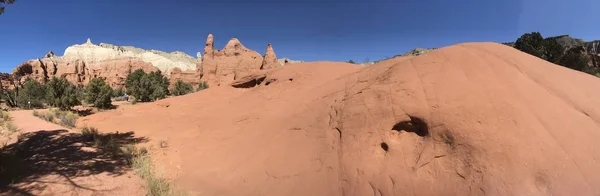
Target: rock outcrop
234,61
189,76
89,52
78,72
270,59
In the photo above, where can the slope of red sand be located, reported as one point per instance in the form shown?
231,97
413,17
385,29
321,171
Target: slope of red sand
475,118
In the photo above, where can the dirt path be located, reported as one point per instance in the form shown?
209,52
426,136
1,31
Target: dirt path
54,160
25,120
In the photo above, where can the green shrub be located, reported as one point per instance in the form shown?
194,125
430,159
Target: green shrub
31,95
147,86
202,86
118,92
531,43
61,93
181,88
99,93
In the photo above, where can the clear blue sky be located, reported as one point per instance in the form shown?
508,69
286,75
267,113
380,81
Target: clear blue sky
304,30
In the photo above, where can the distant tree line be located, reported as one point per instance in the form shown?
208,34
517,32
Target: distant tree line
59,92
552,51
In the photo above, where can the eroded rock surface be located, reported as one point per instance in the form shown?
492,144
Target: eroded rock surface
469,119
234,61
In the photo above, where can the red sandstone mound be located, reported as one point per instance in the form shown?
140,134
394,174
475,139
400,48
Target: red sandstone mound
469,119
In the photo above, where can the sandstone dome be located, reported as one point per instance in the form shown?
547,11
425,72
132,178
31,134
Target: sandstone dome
469,119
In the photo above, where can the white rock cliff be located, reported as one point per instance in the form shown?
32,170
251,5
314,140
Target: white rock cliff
89,52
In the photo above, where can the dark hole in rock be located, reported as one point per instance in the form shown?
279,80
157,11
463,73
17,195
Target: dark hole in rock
415,125
384,146
270,81
291,79
249,83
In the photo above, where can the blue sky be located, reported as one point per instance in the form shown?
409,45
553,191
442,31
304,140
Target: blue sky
307,30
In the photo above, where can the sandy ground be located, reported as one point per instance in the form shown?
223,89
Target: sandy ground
54,162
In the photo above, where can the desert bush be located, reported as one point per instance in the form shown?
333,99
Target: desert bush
142,164
61,93
118,92
6,123
531,43
11,127
47,116
202,86
68,119
4,116
32,94
90,133
99,93
147,86
351,61
181,88
65,118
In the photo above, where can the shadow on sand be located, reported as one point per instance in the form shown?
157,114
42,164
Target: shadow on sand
58,152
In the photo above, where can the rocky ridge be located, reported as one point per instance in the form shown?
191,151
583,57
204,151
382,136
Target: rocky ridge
113,63
89,52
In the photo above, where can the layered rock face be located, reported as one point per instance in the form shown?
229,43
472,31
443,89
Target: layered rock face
89,52
190,76
77,71
234,61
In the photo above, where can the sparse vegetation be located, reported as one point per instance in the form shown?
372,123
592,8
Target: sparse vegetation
181,88
6,124
64,118
99,93
201,86
351,61
147,86
142,164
